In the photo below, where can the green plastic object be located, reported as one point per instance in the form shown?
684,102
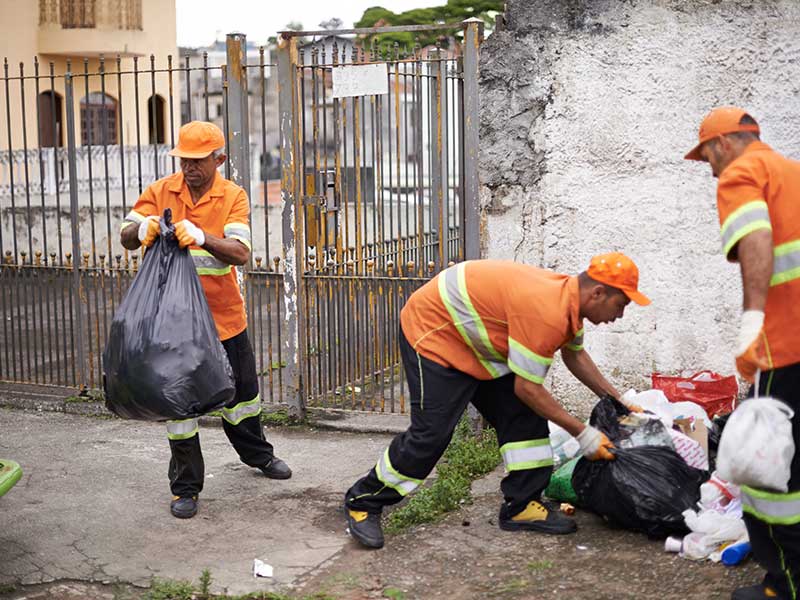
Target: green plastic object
10,472
560,487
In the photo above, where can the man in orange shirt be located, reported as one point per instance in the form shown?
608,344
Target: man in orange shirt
211,216
758,198
486,332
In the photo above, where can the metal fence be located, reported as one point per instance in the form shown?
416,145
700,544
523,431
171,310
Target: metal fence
368,182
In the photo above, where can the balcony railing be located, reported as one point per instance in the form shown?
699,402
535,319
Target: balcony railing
47,173
91,14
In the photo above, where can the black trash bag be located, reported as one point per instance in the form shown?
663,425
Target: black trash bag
164,359
645,489
628,429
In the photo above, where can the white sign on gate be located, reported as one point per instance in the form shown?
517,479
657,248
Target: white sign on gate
360,80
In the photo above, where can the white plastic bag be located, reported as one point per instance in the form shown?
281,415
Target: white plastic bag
652,400
565,447
710,529
756,447
657,403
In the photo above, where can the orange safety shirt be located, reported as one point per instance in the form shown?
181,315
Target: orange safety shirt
223,212
761,190
489,318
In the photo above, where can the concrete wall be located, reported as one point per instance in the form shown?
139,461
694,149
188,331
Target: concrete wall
587,110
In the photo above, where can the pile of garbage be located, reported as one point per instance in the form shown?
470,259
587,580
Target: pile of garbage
663,482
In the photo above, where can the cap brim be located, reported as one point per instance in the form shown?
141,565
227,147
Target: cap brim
638,297
694,153
186,154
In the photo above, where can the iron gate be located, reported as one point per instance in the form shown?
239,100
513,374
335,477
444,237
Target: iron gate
384,196
377,193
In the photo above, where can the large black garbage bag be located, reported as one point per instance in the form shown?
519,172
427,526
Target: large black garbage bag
645,489
163,359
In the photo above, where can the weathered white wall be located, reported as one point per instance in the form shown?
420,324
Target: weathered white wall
587,110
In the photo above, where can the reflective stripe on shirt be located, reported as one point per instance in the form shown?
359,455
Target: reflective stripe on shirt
453,291
576,345
239,231
786,265
206,264
747,218
527,363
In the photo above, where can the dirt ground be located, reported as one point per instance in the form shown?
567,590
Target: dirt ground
464,556
468,556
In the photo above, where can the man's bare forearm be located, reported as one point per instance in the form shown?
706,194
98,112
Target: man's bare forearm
755,258
539,400
228,250
129,238
581,365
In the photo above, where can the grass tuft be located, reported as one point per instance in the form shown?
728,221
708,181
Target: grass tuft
467,458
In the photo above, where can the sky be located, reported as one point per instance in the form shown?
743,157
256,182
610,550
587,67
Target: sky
200,22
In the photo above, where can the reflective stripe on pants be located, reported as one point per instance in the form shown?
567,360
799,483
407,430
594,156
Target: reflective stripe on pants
529,454
182,430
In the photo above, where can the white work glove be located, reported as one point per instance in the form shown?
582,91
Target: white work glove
148,231
594,445
751,353
189,234
750,328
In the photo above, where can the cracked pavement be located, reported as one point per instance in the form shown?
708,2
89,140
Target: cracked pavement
93,504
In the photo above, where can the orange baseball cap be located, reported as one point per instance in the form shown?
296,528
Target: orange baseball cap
619,271
198,139
721,121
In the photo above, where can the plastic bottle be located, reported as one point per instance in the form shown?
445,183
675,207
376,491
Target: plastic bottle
735,553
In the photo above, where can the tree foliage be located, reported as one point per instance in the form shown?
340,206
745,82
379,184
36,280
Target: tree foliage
453,11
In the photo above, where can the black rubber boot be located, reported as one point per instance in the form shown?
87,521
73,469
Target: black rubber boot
538,517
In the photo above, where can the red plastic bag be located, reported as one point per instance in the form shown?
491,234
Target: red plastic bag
714,392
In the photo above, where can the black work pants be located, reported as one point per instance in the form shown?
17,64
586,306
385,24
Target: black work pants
438,397
241,420
777,547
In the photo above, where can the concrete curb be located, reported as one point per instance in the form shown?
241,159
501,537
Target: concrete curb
65,400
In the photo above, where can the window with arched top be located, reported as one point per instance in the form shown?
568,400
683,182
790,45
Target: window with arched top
155,118
51,126
98,119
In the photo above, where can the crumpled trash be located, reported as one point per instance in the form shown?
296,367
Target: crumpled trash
644,489
721,496
710,530
560,486
717,523
564,446
656,402
261,569
689,450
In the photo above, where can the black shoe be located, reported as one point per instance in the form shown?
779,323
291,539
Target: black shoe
754,592
365,527
538,517
276,469
183,507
